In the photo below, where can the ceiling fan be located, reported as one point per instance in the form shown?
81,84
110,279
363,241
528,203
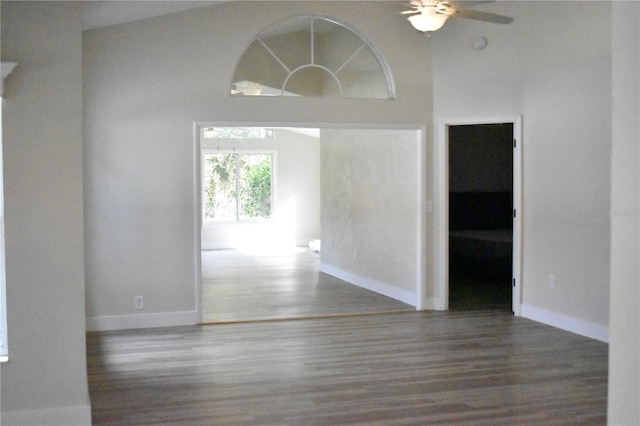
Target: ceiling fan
428,15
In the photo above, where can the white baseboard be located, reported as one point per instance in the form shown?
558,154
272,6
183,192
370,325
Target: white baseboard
124,322
216,246
225,245
369,284
58,416
565,322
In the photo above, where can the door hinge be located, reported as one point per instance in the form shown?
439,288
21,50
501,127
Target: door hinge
514,143
514,212
514,282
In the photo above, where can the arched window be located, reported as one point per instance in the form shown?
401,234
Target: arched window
312,56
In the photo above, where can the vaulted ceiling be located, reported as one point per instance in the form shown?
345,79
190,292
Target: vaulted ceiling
103,13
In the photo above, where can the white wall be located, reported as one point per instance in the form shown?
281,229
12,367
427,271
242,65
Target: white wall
371,190
145,84
296,210
624,340
45,380
553,66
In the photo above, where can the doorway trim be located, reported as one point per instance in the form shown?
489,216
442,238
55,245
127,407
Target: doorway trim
441,212
422,301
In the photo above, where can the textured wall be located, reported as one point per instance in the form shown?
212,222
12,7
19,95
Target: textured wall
369,190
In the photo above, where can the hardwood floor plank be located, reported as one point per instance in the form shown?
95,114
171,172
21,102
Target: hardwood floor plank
239,287
416,368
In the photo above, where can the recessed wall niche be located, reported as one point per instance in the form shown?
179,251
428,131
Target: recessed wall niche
312,56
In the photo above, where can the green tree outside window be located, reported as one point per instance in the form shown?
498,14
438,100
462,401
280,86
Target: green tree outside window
237,186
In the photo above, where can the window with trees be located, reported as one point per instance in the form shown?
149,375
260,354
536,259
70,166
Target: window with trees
237,186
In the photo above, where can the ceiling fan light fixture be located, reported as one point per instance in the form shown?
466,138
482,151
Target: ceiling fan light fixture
428,20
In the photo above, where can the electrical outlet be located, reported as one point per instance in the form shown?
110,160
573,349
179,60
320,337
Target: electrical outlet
139,302
552,281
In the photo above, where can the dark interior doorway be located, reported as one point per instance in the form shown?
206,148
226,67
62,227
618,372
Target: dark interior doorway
480,216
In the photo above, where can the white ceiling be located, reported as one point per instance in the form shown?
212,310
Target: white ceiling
103,13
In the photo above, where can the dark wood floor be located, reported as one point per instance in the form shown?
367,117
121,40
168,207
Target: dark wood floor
466,367
242,286
480,367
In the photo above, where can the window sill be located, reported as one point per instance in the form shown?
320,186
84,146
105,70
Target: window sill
213,224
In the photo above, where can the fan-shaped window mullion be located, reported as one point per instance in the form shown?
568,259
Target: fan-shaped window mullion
316,82
276,57
335,59
351,57
312,48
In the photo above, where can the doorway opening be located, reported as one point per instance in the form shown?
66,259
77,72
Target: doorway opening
480,216
284,266
478,224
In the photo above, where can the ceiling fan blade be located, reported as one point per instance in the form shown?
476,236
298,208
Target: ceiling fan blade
467,3
481,16
412,7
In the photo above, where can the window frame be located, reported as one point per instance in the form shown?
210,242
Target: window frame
209,223
242,87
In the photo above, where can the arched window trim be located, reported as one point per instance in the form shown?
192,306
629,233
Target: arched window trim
382,63
307,66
